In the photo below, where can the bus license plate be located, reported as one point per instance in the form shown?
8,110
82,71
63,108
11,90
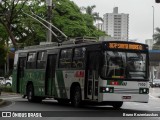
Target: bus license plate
126,97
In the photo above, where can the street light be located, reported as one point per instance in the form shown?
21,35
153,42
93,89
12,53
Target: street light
49,13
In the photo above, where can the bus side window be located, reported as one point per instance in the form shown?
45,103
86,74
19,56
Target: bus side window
65,58
78,58
94,65
41,60
31,64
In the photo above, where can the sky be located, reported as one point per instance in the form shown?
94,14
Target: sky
140,14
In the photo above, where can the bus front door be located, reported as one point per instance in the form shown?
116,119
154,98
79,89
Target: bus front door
50,75
92,75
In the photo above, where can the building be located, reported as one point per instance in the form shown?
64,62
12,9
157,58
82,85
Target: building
99,26
116,25
150,43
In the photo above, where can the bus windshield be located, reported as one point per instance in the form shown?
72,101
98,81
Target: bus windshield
127,65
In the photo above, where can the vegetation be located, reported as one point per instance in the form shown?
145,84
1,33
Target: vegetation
21,30
10,10
90,11
3,53
3,49
156,36
25,31
6,88
73,22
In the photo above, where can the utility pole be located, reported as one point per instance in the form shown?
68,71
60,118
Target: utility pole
49,18
152,68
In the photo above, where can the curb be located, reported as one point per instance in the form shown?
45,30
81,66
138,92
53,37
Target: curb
2,102
8,93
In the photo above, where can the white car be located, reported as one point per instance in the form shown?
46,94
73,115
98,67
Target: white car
6,82
2,80
156,83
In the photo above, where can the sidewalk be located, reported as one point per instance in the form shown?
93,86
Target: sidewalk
6,94
1,102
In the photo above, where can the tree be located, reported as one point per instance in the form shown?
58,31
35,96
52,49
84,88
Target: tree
29,31
3,48
25,31
3,53
69,19
89,10
21,29
9,12
156,37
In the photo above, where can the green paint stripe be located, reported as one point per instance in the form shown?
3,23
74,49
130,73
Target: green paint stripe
54,88
61,85
14,81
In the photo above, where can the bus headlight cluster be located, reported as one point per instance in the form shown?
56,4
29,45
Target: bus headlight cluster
143,91
106,89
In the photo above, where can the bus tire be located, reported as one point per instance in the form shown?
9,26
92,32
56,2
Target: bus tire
30,93
117,105
76,97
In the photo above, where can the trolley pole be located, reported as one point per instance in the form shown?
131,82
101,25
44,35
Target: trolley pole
49,18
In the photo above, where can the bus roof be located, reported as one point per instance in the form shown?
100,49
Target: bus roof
67,44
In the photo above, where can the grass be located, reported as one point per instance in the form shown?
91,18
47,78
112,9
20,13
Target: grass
6,88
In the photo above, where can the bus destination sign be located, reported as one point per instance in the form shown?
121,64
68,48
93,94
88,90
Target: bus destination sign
125,46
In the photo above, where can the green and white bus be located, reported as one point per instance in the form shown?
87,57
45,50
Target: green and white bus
110,72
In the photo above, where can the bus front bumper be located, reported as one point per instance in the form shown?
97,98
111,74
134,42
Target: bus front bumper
124,97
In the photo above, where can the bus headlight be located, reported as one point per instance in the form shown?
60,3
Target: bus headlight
143,90
106,89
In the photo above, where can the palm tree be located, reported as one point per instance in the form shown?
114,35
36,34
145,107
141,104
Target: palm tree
89,10
156,37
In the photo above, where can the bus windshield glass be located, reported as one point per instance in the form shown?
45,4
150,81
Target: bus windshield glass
127,65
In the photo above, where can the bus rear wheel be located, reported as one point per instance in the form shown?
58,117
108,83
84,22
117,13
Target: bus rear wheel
117,105
76,98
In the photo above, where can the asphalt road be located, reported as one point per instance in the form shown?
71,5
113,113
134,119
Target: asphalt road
50,107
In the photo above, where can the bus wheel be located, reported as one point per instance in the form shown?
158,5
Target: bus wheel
76,96
30,93
117,105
